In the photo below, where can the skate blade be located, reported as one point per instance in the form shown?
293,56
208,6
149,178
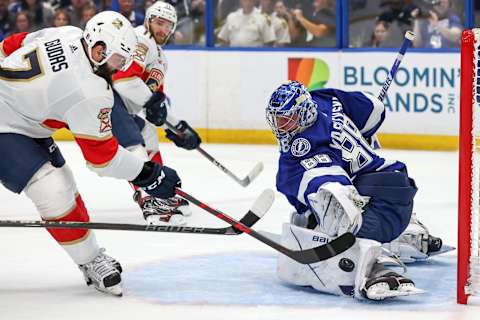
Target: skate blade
115,290
175,220
185,210
444,249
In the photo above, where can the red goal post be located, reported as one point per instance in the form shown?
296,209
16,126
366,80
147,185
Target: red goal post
468,272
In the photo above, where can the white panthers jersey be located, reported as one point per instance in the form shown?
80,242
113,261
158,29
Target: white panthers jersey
145,75
46,83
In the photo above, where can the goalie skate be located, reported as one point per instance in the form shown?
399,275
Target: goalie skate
104,273
384,283
416,243
171,211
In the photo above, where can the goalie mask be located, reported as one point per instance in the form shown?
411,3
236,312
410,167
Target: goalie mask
290,110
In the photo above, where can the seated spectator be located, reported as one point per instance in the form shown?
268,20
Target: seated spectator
87,13
23,22
126,8
61,18
40,13
379,35
75,11
7,20
246,27
440,27
280,25
319,24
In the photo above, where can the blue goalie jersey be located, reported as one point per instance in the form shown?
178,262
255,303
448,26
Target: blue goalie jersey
333,148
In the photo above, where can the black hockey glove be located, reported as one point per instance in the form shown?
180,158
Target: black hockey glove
187,138
157,181
156,109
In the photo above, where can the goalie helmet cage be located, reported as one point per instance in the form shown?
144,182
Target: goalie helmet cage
468,272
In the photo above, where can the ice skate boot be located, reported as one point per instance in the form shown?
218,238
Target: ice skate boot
383,283
171,211
416,243
104,273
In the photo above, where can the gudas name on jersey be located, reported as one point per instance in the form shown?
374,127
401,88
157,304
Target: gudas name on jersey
56,56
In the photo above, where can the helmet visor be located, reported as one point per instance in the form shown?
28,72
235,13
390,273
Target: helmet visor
118,62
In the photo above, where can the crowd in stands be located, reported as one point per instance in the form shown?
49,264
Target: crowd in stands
262,23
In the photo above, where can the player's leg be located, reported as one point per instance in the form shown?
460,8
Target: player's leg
129,131
388,216
37,167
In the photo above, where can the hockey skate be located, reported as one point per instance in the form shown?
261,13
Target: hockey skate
104,273
171,211
383,283
416,243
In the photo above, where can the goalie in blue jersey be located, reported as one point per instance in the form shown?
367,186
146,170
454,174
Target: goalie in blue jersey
337,183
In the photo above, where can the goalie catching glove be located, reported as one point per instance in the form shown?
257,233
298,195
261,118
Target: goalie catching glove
158,181
186,137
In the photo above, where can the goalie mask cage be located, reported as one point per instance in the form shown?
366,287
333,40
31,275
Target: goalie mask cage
468,272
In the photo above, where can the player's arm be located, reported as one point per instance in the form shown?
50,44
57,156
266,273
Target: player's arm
11,43
321,185
91,127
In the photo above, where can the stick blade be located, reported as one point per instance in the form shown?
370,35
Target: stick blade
259,208
252,174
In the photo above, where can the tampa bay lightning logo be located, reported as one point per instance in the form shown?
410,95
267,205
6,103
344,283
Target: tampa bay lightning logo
300,147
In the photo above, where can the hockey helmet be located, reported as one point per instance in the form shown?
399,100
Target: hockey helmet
116,33
163,10
290,110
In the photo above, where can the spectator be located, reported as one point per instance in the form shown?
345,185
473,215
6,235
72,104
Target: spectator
319,24
440,29
23,22
224,8
147,4
75,11
87,13
379,35
61,18
246,27
6,19
198,14
280,25
126,8
40,13
103,5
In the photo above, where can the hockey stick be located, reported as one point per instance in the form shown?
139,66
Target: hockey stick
243,182
323,252
407,40
261,205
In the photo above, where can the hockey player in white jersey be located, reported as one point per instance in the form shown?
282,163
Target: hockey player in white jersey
337,183
60,78
135,89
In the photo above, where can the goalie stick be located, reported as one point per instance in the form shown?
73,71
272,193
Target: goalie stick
243,182
308,256
261,205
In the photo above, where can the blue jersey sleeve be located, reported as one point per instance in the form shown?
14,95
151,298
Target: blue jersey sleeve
364,109
297,178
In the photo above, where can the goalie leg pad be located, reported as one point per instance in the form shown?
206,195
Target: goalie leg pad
343,274
390,207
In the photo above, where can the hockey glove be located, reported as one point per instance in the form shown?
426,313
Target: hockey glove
158,181
156,109
187,138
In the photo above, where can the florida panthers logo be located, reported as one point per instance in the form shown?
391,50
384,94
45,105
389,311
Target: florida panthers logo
300,147
104,117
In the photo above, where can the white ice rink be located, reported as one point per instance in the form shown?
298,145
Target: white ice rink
177,276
